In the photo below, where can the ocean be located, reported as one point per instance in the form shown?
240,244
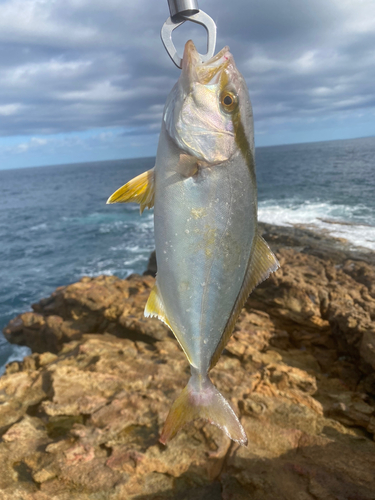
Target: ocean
55,226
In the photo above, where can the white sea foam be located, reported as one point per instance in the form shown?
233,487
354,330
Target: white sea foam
39,227
340,221
123,273
124,226
130,262
126,247
116,226
95,273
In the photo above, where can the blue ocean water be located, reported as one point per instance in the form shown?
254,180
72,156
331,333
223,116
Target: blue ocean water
55,226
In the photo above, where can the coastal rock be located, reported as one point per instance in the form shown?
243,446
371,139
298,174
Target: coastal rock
93,430
80,418
93,305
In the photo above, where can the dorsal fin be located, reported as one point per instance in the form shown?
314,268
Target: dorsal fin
262,263
138,190
155,308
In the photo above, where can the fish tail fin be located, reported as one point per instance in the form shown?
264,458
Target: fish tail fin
201,399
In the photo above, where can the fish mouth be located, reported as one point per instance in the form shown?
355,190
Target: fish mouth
212,72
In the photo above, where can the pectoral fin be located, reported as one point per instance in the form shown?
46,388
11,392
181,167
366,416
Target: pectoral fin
138,190
262,263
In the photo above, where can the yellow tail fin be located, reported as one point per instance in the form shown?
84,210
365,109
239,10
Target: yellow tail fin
201,399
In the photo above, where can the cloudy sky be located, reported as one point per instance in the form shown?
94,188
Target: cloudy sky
86,80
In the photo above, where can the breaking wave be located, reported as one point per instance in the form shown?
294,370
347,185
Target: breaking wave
356,224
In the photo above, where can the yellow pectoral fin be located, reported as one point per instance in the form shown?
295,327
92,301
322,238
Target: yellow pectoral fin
138,190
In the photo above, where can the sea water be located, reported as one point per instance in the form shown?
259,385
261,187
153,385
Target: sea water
55,226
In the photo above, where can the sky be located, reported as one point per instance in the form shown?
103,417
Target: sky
86,80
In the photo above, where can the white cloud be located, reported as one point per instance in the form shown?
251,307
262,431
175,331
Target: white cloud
98,92
26,74
10,109
358,15
33,143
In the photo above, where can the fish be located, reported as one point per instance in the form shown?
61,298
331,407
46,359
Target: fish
209,252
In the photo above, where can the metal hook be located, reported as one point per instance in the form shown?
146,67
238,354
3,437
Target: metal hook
187,10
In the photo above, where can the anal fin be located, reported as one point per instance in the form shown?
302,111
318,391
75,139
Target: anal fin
138,190
155,308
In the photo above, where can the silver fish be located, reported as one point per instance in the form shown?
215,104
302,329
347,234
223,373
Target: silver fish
208,250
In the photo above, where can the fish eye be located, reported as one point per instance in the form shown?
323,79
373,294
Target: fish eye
228,101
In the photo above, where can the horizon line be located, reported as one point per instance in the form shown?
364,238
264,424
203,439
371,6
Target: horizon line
154,156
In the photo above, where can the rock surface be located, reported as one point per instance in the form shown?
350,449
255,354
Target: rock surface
80,417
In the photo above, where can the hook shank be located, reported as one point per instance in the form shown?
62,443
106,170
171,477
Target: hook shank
184,7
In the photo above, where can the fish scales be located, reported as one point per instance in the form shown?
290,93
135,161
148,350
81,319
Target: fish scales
209,241
209,253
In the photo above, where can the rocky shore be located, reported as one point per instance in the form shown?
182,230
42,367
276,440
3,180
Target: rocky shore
80,417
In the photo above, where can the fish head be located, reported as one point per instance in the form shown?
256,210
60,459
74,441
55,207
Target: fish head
208,114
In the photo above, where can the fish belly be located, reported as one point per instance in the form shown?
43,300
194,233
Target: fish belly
204,231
